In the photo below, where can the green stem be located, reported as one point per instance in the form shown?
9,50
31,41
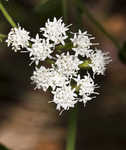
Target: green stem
6,15
64,9
98,25
2,36
71,137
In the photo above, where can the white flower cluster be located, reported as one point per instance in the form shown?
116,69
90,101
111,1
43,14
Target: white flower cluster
64,77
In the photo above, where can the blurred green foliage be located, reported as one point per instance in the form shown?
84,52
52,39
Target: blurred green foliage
49,8
2,147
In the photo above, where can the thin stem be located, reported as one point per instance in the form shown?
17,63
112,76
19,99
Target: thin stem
2,36
6,15
71,138
64,9
98,24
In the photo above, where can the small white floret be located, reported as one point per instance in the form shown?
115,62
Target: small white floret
86,88
41,78
99,60
64,97
18,38
55,31
67,64
40,50
82,39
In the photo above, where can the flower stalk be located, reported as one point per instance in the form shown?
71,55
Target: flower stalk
72,122
72,129
64,9
6,15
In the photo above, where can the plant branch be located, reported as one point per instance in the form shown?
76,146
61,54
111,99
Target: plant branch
6,15
64,10
2,36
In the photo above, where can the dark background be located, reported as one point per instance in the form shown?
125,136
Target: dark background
27,120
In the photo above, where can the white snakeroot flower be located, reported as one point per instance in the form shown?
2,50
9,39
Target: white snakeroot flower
82,42
82,39
86,87
18,38
55,31
67,64
48,77
57,79
64,97
65,70
40,50
99,60
41,78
